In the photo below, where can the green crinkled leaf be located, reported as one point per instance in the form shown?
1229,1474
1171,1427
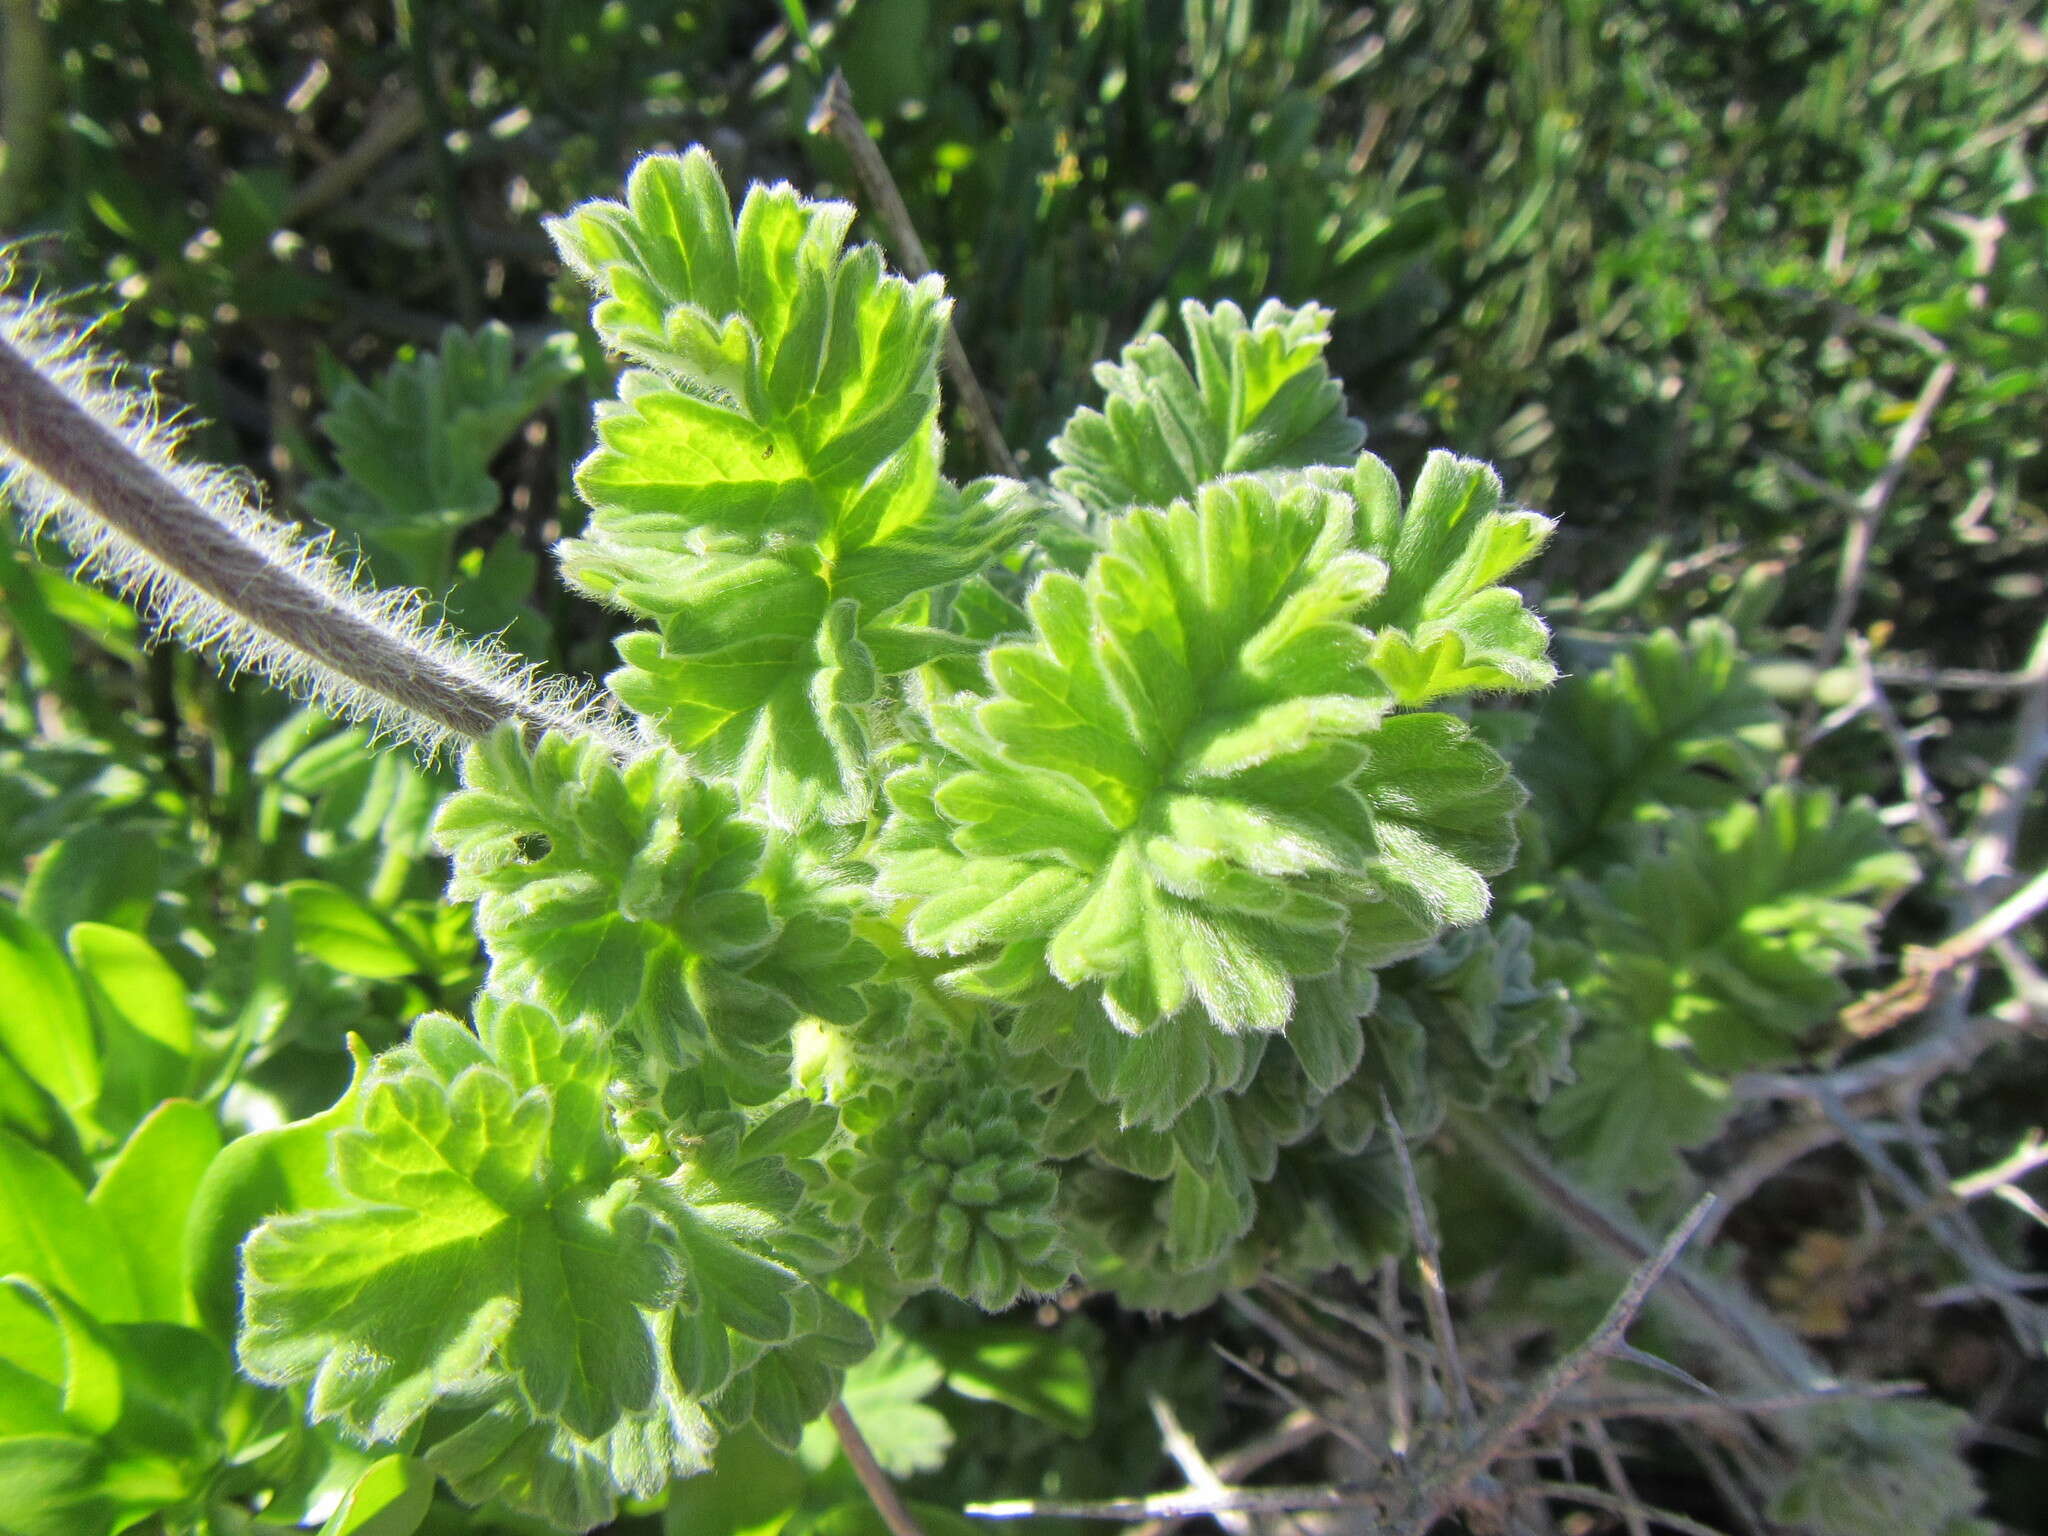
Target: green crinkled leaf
752,1342
1258,396
1443,625
1638,1096
562,1319
766,488
487,1241
1319,1209
627,895
1495,1026
1468,1020
1185,797
1747,921
500,1454
1442,806
1715,955
1674,722
1886,1465
1158,791
754,1336
416,445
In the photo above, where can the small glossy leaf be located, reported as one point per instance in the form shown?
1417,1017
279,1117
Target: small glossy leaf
885,1394
104,874
340,929
1041,1372
45,1025
49,1233
145,1022
391,1498
146,1196
282,1169
92,1369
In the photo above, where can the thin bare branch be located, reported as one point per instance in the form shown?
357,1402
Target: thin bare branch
1300,1428
1920,789
1429,1265
1753,1345
1949,1047
1870,507
1768,1405
1770,1156
1372,1327
1188,1503
1514,1421
1925,969
1193,1465
1600,1498
881,1490
2030,1154
1996,1279
2011,784
834,115
393,123
1956,679
1295,1401
1714,1463
1400,1418
1631,1508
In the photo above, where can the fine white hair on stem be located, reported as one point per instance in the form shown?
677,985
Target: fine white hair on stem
98,460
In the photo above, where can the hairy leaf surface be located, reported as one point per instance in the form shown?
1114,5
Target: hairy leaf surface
1258,396
766,487
628,895
1185,794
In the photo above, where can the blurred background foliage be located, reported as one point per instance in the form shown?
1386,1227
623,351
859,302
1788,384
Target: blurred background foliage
1675,266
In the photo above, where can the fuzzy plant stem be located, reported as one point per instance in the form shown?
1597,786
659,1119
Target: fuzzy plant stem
369,654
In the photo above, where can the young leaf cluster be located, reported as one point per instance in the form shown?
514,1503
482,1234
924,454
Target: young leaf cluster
997,886
1095,982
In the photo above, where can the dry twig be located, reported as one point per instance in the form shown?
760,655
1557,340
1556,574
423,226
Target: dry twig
1512,1422
1300,1428
1188,1457
1631,1508
834,115
880,1490
1753,1345
1600,1498
1429,1264
1870,507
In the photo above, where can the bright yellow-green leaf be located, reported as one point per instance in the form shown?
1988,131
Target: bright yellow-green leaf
144,1019
50,1234
45,1025
146,1197
340,929
391,1498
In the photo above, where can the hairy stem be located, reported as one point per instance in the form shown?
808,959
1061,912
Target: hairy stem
77,462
